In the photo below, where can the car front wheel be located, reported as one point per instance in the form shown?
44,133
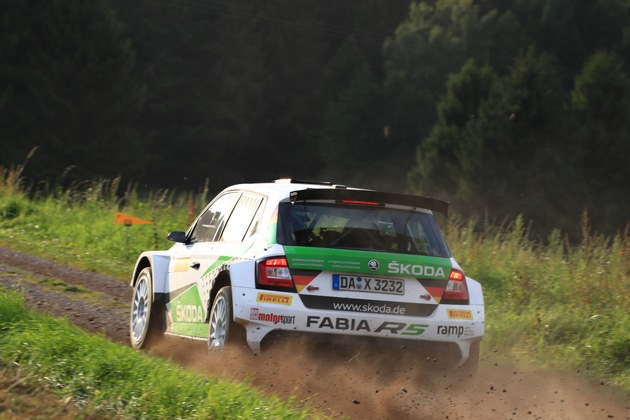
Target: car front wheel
144,322
220,320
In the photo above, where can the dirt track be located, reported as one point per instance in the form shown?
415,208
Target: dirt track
358,384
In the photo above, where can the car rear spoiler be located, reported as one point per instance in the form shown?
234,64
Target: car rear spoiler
371,196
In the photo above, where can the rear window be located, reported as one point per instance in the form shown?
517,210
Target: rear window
360,227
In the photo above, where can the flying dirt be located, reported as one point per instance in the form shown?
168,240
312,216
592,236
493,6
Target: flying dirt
343,381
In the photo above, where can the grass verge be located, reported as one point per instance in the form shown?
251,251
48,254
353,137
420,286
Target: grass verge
115,381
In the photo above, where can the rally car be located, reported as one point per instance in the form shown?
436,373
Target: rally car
314,258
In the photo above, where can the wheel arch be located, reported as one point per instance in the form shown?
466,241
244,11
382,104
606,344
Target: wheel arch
223,279
475,292
159,266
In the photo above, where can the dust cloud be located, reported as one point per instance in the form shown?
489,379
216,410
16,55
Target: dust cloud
360,382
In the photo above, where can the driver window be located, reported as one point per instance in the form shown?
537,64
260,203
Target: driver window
213,219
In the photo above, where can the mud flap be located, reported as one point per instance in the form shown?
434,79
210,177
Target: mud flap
464,348
255,335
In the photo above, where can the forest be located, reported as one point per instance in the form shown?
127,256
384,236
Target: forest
503,108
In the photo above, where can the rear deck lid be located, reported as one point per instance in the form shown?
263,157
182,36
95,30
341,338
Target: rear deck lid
360,281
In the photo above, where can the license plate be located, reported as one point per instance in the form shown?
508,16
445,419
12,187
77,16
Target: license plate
368,284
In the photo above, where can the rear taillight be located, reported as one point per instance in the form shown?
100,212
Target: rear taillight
456,290
274,274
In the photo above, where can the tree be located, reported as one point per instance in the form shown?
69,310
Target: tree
440,159
497,141
600,103
352,142
515,144
434,41
69,87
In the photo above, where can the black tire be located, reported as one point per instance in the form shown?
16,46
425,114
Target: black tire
221,324
145,323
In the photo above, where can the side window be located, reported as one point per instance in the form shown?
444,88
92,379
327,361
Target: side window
253,228
213,219
242,218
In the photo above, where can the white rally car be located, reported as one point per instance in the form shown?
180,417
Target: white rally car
309,258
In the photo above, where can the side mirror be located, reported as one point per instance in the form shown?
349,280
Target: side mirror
177,237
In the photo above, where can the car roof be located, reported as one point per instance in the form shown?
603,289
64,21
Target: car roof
285,189
285,184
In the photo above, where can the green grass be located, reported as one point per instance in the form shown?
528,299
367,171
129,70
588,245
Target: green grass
564,304
118,381
78,228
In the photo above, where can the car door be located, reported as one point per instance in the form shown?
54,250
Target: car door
223,232
185,307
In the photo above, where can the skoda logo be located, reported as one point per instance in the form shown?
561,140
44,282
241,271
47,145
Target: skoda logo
373,265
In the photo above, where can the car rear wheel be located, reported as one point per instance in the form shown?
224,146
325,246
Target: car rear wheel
221,322
144,322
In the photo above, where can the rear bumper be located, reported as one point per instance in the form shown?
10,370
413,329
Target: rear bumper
262,312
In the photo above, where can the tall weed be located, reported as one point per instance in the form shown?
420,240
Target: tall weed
76,225
568,304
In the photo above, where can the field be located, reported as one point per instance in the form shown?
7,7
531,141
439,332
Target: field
558,303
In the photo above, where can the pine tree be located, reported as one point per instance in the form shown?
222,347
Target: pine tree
69,87
600,103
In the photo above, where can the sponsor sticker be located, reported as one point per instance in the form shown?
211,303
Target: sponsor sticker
359,325
307,262
187,307
189,313
256,315
371,307
274,298
459,314
395,267
455,330
345,265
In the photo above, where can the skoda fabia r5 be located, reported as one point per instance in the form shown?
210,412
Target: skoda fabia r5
313,258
